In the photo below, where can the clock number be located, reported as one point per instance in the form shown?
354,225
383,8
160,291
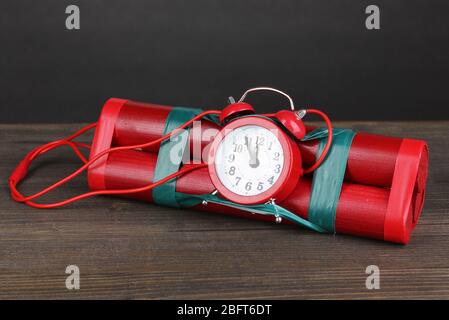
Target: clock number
248,186
231,171
238,148
277,168
260,141
260,186
271,180
231,157
276,156
270,145
238,180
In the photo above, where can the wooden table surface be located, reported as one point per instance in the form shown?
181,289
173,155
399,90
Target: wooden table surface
128,249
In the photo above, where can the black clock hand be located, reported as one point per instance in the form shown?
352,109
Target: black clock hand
257,156
253,159
250,151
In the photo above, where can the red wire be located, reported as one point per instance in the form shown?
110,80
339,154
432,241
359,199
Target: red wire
329,138
115,191
328,143
21,170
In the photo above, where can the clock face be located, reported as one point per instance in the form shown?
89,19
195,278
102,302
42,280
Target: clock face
249,160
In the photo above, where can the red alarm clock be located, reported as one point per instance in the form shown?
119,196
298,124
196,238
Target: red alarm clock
255,158
252,160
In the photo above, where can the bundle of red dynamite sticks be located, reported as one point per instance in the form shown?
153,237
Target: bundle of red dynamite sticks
382,195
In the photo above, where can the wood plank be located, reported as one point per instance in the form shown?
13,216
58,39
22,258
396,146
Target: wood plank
128,249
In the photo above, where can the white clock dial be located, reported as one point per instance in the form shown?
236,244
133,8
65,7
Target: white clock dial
249,160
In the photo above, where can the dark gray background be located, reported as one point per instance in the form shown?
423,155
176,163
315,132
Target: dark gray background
198,52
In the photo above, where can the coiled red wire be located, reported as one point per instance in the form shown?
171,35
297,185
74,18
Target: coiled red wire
21,169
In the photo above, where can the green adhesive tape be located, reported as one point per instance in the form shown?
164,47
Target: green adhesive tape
170,155
270,208
328,178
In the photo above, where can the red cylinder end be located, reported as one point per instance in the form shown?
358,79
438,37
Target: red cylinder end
407,191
